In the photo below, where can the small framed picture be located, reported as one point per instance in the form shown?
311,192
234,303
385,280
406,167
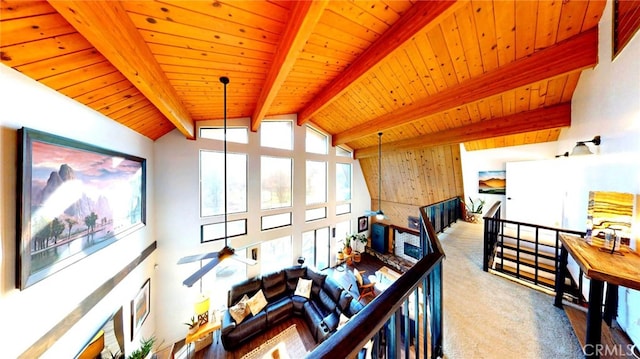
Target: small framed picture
363,223
140,307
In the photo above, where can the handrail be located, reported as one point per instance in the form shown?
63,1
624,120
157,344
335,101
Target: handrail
526,258
386,308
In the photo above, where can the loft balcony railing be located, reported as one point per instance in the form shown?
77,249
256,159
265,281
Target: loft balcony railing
406,319
524,251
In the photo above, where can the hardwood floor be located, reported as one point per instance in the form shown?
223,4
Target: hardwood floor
368,263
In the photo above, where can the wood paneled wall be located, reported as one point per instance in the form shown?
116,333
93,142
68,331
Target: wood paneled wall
412,179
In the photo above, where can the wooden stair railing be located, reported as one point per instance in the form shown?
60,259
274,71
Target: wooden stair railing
387,318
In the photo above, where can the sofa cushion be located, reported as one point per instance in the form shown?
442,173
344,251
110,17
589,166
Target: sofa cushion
325,303
345,301
343,320
332,320
249,287
292,274
280,310
257,302
298,304
318,281
240,310
303,288
332,288
274,286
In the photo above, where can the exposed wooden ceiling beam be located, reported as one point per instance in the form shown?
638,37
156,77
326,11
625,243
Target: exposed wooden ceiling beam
574,54
417,17
106,25
539,119
303,19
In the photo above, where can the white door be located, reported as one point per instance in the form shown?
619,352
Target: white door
535,192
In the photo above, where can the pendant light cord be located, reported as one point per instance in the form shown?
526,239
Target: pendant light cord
380,172
225,81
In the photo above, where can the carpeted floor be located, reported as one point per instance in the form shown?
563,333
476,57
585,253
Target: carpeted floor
487,316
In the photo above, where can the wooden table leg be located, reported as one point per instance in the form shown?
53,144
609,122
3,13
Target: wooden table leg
561,274
611,304
594,320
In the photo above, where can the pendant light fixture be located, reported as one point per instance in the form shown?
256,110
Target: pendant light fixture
379,214
227,251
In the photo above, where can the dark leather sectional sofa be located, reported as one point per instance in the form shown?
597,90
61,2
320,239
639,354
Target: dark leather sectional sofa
321,311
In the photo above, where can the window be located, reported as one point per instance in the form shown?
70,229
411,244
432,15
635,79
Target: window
276,221
234,134
343,182
342,152
315,213
276,182
215,231
276,254
343,208
316,141
316,182
315,247
277,134
342,231
212,183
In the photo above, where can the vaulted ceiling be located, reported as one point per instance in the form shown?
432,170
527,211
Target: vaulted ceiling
484,73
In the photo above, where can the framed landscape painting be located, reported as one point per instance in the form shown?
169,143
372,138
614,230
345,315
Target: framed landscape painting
74,199
492,182
140,308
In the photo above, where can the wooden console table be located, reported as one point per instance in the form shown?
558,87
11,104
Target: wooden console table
600,266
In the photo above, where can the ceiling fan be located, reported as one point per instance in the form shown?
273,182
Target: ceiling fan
379,214
227,251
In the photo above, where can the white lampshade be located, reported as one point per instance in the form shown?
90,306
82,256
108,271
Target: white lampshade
581,149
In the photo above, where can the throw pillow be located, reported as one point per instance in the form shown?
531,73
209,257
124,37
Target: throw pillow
343,320
240,310
358,277
257,302
303,288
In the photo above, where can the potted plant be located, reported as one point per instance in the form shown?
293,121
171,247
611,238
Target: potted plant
193,325
475,210
347,246
145,349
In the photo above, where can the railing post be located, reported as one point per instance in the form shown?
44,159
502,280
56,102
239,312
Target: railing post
435,279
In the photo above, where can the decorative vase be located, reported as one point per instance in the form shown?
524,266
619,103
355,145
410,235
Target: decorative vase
340,255
356,257
347,250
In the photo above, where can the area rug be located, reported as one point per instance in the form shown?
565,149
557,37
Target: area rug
292,343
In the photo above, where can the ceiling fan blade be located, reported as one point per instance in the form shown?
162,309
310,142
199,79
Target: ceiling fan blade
201,272
370,213
245,260
198,257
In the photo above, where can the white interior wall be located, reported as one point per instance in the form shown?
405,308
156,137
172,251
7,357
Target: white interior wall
179,221
28,314
606,103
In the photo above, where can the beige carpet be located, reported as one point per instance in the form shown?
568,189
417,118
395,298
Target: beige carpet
486,316
292,343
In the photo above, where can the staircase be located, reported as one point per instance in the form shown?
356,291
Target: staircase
524,252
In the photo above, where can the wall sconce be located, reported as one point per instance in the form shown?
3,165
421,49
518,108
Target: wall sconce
581,147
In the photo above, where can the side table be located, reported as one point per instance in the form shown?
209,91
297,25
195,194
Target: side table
201,333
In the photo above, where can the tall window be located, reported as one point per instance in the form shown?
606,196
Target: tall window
315,247
277,134
212,183
316,182
342,231
343,152
276,182
316,141
343,182
234,134
275,254
217,282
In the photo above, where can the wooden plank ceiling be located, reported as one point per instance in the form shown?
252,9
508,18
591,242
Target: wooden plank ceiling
484,73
